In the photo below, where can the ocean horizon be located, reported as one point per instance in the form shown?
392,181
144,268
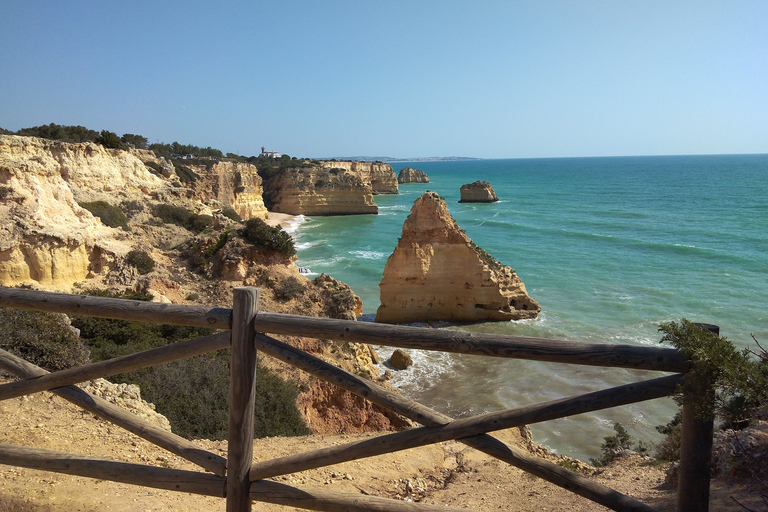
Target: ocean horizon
610,247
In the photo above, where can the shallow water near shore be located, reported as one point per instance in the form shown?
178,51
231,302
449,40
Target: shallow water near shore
610,247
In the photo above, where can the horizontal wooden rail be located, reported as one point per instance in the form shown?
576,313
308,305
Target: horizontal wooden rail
462,342
415,411
92,467
330,501
466,427
119,309
117,365
119,416
201,483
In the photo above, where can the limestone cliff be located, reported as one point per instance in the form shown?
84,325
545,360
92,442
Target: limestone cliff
318,190
235,185
381,177
478,192
45,236
410,175
437,273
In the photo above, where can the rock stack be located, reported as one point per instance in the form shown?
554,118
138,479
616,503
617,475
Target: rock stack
410,175
478,192
437,273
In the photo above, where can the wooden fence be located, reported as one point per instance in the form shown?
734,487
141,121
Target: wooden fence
240,481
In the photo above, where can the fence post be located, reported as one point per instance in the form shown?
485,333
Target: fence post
696,449
242,393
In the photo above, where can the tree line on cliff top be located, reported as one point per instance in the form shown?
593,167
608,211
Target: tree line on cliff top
267,166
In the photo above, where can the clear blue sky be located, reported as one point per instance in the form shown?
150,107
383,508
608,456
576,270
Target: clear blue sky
326,78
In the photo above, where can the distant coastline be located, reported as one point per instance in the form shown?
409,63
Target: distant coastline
389,159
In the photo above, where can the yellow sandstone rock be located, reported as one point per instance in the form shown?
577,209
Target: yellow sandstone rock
437,273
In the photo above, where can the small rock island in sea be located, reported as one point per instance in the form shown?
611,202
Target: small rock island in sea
437,273
410,175
478,192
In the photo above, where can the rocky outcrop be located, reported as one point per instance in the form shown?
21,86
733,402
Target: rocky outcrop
45,236
381,177
410,175
318,190
437,273
229,184
478,192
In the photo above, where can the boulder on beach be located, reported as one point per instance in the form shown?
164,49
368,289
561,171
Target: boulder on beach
478,192
437,273
400,360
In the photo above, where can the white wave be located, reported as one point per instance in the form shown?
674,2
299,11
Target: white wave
368,255
294,224
301,246
427,368
539,320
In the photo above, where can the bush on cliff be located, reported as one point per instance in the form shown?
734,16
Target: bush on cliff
42,338
262,235
59,132
619,442
141,261
109,215
185,174
137,141
192,393
739,378
109,140
182,217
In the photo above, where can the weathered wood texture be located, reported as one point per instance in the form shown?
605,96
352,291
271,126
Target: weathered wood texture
119,416
466,427
117,365
92,467
329,501
428,417
462,342
695,468
120,309
242,395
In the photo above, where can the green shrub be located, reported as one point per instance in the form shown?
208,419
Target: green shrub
142,261
612,445
132,207
231,214
669,448
739,380
185,174
199,222
42,338
288,289
5,191
109,215
262,235
154,168
109,140
192,393
182,217
220,243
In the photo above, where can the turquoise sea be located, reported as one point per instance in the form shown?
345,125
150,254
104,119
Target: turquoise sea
610,247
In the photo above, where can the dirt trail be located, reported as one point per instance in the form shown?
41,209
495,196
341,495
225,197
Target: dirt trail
448,473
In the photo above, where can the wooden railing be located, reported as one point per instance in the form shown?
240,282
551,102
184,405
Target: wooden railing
240,481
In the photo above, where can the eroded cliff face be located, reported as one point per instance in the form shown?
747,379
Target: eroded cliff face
478,192
49,242
317,190
410,175
45,236
381,177
437,273
235,185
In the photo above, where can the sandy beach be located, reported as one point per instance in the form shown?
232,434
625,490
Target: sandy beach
283,220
